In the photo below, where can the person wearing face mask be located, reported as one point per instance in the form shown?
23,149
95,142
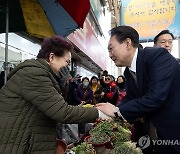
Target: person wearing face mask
31,103
84,93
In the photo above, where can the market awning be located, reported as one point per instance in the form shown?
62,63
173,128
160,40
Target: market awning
42,18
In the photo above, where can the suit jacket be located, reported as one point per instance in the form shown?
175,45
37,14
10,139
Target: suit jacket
157,94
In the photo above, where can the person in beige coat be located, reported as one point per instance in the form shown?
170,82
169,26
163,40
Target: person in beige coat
31,103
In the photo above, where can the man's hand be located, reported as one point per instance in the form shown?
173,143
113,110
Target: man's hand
106,108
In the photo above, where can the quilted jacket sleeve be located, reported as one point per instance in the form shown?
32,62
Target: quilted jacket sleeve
39,88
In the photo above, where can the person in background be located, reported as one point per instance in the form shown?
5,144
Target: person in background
101,76
109,91
84,93
152,80
72,86
31,103
96,88
165,40
113,78
121,84
1,79
2,75
77,79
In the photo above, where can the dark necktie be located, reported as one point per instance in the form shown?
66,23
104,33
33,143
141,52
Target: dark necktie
134,77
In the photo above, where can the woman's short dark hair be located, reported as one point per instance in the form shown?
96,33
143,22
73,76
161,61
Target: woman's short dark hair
93,77
85,78
124,32
57,45
121,77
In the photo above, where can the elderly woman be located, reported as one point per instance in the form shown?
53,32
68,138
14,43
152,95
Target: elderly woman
31,103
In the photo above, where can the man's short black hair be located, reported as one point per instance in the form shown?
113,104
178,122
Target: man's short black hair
162,33
105,72
124,32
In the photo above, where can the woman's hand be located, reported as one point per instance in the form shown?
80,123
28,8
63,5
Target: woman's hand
102,94
83,102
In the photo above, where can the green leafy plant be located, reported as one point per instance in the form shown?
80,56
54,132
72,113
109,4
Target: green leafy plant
125,148
104,131
84,148
97,139
121,135
116,133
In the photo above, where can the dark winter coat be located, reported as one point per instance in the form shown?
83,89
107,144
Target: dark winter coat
84,94
110,93
30,106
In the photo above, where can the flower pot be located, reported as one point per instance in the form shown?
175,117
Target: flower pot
102,149
104,144
61,147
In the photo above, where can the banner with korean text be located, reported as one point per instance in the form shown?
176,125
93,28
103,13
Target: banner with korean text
149,17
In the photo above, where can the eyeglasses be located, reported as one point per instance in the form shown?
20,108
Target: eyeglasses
67,61
106,79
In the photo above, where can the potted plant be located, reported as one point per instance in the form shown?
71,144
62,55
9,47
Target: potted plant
127,147
112,137
84,148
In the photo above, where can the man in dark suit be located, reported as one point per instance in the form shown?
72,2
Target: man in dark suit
153,88
165,40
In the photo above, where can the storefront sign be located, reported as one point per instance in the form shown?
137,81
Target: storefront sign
149,17
97,8
87,42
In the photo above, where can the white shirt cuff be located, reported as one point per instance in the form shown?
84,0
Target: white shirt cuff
103,115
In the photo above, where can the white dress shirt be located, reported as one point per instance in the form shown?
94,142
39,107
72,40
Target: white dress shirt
133,64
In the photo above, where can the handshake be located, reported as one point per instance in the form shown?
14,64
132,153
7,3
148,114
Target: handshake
107,111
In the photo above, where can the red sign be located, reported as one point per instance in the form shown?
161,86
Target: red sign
87,42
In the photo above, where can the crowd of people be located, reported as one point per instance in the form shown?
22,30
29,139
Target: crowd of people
97,89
